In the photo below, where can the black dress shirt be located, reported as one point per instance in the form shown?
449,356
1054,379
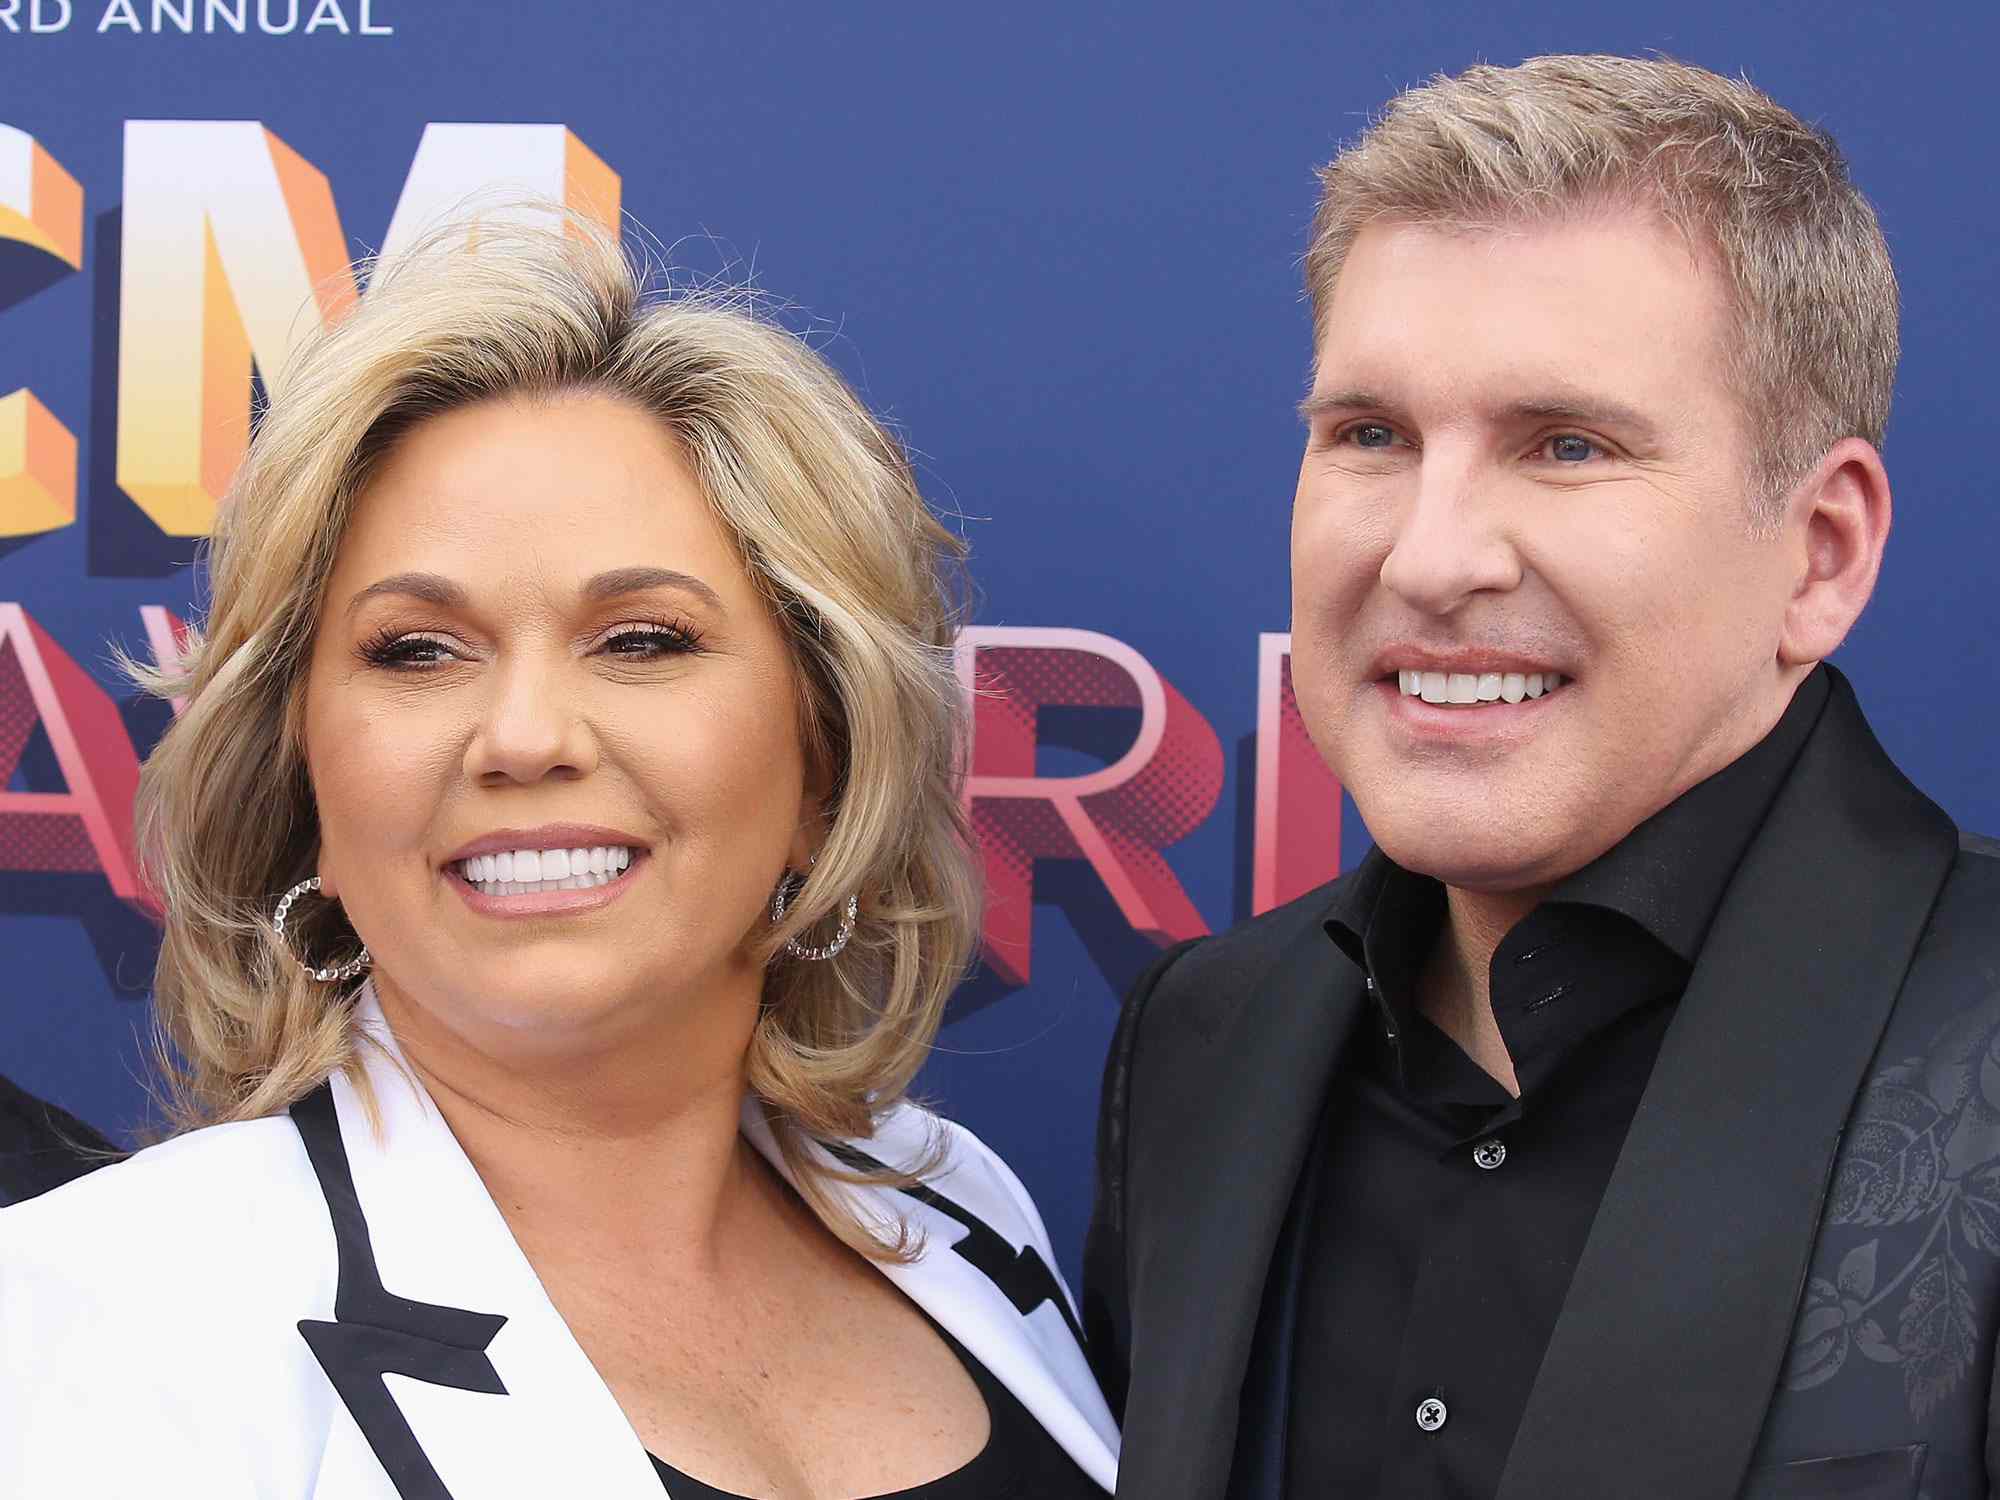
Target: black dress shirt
1447,1216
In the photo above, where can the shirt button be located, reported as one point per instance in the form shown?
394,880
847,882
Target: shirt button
1490,1153
1431,1414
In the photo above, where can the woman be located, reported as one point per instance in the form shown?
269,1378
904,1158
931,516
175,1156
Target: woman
564,877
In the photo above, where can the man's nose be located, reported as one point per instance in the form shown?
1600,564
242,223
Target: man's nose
1452,541
533,726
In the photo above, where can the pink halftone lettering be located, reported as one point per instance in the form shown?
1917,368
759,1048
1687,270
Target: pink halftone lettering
1295,844
166,633
1117,818
88,827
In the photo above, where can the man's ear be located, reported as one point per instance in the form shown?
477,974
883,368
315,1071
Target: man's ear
1837,523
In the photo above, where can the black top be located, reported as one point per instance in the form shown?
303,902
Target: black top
1019,1462
1447,1216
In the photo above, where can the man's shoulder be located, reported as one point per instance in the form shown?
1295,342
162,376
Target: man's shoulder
1199,982
1981,850
1962,922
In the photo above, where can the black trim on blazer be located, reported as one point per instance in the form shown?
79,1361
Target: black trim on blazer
1022,1276
375,1332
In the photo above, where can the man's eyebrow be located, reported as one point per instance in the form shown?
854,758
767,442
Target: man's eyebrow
432,588
638,580
1590,411
1319,403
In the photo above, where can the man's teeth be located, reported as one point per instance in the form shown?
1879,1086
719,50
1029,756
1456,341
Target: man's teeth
1454,688
522,872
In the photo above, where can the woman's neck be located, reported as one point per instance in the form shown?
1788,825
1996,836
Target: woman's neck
632,1140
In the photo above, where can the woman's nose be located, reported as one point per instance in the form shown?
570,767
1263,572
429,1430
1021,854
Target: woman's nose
533,727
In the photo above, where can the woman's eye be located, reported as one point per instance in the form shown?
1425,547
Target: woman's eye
650,642
1568,449
408,651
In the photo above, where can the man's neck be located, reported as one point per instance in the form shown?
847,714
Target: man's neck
1454,990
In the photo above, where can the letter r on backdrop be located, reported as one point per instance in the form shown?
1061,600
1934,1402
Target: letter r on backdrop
1118,818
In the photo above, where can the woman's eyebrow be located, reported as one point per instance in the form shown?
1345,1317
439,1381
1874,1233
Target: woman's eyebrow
638,580
432,588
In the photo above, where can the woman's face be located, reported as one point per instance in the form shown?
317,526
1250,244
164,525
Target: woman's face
539,640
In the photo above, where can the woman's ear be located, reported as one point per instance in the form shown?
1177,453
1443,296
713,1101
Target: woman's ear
815,798
1841,515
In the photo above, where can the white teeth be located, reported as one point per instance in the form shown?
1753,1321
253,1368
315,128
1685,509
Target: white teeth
525,871
1472,688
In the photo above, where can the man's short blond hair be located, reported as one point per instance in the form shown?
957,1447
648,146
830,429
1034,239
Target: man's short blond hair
1761,194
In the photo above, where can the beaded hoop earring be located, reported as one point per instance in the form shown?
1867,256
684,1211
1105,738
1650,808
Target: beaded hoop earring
780,901
333,973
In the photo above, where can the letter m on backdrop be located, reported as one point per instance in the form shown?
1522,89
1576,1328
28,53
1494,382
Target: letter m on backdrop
233,249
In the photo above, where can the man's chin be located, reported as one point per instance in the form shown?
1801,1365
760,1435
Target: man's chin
1475,856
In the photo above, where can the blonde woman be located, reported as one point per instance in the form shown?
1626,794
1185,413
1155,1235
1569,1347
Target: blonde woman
564,877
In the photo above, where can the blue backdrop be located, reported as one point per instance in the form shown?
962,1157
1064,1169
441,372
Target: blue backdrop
1058,245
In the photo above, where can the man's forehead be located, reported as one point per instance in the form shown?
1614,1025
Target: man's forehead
1577,316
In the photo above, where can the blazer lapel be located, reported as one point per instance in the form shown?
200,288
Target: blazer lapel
1000,1299
451,1364
1672,1336
1223,1156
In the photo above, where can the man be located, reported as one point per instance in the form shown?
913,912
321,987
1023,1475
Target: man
1628,1124
42,1146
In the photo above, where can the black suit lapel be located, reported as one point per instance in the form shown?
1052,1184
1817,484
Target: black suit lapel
1231,1127
1671,1340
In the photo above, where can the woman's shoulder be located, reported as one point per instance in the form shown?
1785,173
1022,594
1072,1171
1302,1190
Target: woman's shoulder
229,1216
162,1295
956,1164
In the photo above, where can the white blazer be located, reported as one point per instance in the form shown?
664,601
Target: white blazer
302,1307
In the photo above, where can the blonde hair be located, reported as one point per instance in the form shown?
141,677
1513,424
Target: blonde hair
1766,195
827,515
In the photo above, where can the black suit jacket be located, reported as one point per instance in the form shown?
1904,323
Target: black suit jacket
42,1146
1792,1284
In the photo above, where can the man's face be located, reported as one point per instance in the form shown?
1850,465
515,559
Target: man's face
1523,464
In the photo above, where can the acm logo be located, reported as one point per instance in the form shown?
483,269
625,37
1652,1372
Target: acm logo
230,246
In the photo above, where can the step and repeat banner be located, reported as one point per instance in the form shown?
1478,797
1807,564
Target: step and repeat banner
1056,244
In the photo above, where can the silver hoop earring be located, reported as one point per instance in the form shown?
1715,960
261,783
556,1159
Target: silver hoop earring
780,900
333,973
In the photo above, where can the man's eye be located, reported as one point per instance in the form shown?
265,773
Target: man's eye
1371,435
1571,450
